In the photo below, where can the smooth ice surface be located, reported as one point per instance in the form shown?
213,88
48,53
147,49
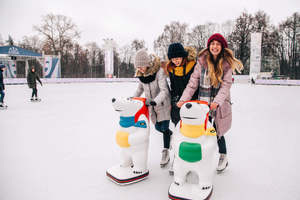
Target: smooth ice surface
60,148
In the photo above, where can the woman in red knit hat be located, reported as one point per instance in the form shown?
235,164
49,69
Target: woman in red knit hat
213,76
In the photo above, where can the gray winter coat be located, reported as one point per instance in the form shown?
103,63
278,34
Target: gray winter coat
157,90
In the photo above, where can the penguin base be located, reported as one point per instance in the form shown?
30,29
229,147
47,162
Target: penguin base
189,192
125,175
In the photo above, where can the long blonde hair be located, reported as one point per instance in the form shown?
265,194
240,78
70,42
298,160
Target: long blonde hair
215,70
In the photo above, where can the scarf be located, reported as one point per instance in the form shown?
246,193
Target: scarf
206,91
147,79
126,122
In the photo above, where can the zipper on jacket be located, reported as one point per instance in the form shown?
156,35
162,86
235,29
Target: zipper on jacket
152,99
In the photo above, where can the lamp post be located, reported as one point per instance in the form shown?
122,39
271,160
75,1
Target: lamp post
109,45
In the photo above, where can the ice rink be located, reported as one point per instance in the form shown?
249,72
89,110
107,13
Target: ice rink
60,148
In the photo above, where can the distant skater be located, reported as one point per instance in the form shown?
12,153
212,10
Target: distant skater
31,81
2,88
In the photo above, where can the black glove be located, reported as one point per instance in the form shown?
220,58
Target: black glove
153,103
150,102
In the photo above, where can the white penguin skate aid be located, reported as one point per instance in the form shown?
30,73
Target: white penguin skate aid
133,139
196,153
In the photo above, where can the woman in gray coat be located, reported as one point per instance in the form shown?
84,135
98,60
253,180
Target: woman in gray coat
154,84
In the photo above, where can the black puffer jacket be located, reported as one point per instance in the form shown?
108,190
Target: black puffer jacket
32,77
178,81
180,76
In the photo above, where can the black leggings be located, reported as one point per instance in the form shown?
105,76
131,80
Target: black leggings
2,95
222,145
34,92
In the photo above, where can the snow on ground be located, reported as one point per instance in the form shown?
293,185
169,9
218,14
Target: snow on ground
60,148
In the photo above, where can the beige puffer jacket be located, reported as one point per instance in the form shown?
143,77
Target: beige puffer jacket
157,90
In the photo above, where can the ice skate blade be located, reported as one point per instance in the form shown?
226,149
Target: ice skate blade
39,100
222,170
3,108
188,192
125,176
165,164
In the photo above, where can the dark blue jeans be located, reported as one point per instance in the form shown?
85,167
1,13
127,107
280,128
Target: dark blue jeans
2,96
163,127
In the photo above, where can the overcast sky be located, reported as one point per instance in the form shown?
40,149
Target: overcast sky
127,20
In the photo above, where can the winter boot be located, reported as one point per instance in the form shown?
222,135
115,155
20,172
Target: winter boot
223,163
2,106
165,157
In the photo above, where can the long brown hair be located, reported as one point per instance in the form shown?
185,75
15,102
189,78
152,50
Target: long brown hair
215,67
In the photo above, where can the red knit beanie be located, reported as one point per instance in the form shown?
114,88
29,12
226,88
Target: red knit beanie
219,38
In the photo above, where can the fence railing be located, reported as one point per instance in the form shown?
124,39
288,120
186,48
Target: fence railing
18,81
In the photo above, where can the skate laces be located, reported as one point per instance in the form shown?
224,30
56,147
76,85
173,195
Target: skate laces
222,158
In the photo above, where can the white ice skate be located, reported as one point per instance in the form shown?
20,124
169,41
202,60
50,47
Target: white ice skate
223,163
165,158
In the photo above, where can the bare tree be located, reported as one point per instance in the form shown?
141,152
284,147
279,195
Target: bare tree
261,24
93,49
32,43
289,46
200,34
137,44
96,59
126,54
240,39
175,32
58,30
198,37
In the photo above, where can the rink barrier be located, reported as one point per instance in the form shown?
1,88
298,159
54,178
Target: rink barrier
277,82
238,79
21,81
